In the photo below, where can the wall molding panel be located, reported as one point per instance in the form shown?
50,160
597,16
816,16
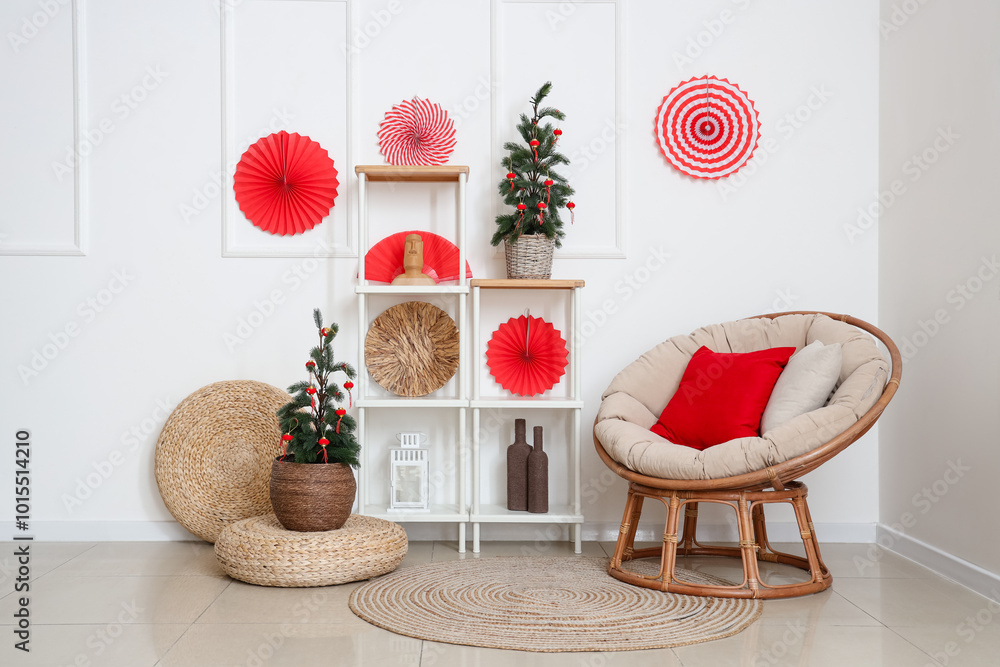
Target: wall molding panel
311,108
597,152
77,246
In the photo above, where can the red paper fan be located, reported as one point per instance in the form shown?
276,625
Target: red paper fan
385,260
416,133
527,355
707,127
285,183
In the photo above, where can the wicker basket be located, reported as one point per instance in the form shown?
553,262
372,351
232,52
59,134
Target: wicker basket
530,257
311,497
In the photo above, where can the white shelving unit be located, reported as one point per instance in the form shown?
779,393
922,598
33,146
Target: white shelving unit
559,513
457,513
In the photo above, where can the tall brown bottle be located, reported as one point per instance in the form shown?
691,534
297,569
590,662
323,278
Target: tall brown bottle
517,469
538,477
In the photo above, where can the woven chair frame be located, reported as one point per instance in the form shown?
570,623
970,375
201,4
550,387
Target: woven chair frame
747,494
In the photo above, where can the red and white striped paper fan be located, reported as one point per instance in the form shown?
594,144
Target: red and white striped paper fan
416,133
707,127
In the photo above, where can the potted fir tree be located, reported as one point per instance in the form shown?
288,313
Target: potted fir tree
312,483
535,192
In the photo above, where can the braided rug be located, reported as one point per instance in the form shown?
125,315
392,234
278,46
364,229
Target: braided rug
545,604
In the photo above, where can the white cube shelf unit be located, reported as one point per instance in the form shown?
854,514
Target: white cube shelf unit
569,511
457,512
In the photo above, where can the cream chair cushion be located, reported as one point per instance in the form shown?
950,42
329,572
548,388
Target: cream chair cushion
638,394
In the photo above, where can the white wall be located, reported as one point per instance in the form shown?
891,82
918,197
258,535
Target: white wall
939,288
770,238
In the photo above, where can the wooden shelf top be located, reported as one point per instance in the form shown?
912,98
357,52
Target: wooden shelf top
389,172
504,283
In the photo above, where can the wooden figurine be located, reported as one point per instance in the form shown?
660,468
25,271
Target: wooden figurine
413,263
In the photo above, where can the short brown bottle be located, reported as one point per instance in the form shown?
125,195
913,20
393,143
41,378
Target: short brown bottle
538,477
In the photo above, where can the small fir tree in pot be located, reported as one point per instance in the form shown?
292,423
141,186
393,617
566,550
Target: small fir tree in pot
316,429
531,186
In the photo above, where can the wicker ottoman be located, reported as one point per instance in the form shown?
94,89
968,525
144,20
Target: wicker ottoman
259,551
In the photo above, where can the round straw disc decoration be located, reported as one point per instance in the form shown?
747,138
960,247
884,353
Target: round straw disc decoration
417,132
707,127
545,604
527,355
285,183
385,260
213,457
412,349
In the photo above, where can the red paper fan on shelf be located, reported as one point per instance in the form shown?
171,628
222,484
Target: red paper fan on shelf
527,355
285,183
417,132
385,260
707,127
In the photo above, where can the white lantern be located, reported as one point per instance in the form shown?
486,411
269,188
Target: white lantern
408,474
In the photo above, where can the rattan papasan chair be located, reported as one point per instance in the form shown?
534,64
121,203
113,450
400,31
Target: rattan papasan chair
746,473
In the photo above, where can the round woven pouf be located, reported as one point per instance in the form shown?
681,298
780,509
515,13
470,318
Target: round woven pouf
213,457
259,551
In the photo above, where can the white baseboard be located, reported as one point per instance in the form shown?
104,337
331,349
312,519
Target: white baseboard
103,531
158,531
961,571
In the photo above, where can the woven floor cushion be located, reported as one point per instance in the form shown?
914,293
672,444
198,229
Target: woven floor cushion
259,551
637,395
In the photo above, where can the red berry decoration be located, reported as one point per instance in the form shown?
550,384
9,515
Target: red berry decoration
534,144
341,412
557,132
323,442
521,207
310,365
511,176
549,182
286,438
311,390
571,206
542,205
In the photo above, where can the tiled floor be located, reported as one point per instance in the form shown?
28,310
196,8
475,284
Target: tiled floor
169,604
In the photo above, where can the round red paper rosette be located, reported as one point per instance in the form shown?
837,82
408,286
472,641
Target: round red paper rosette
285,183
707,127
527,355
416,133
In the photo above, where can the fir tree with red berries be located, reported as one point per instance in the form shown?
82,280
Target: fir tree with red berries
316,428
534,190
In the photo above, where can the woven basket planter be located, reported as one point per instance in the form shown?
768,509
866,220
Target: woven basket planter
530,257
310,497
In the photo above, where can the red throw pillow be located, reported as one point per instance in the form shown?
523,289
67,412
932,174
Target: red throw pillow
721,396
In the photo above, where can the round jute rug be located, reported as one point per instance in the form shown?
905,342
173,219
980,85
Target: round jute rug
544,604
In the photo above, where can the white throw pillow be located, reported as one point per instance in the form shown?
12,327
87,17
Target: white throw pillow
804,385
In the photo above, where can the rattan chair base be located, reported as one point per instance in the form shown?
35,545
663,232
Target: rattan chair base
753,545
259,551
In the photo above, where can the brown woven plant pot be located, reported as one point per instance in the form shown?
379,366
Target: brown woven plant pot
310,497
530,257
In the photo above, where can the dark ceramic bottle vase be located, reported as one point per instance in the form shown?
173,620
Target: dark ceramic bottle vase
538,477
517,469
